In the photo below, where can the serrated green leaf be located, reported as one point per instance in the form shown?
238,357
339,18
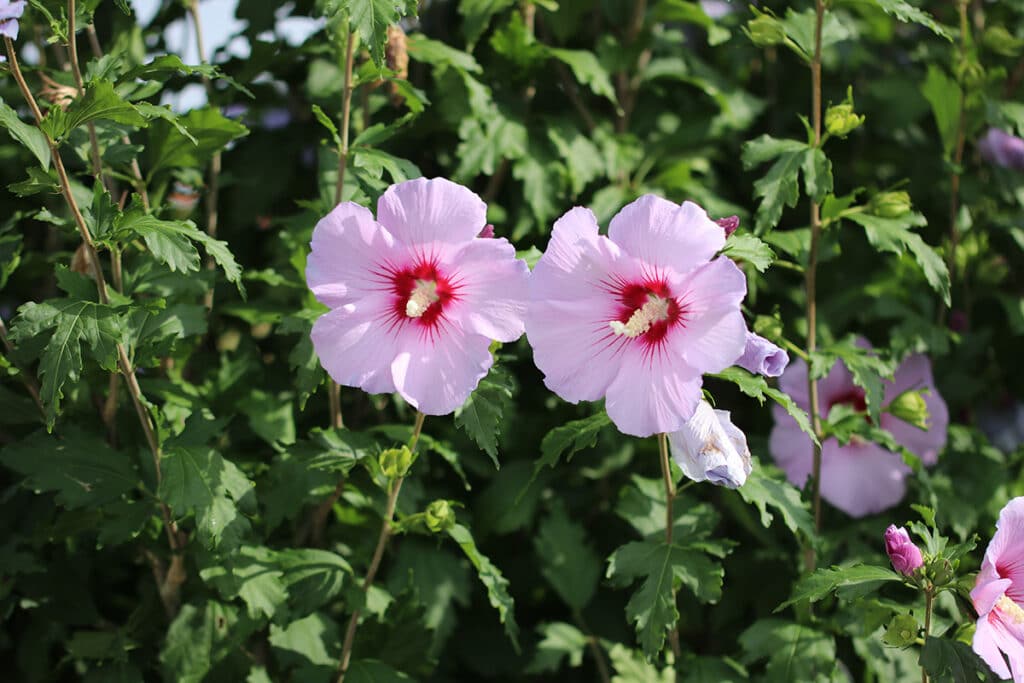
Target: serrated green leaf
823,582
492,579
746,247
481,415
569,563
794,652
371,18
100,102
767,487
906,12
31,137
559,642
944,95
757,387
951,661
588,71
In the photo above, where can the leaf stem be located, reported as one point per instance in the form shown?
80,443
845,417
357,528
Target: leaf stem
929,597
213,179
670,494
124,363
810,284
594,644
382,541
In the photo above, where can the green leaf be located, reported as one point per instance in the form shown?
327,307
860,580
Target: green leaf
79,467
569,439
199,637
757,387
73,323
481,415
31,137
944,94
441,54
634,667
794,652
951,661
197,480
777,188
477,16
371,18
169,241
209,132
373,671
817,174
494,582
587,71
823,582
249,573
653,606
305,642
906,12
746,247
271,416
894,235
100,102
866,366
569,563
767,486
560,641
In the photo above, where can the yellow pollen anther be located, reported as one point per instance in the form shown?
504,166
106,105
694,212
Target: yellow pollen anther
653,311
423,295
1010,609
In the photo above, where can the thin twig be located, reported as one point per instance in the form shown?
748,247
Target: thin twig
594,644
810,284
378,554
929,596
958,158
124,363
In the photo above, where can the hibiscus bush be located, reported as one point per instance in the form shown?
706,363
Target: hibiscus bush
459,340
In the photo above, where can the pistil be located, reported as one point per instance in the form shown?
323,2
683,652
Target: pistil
424,294
654,310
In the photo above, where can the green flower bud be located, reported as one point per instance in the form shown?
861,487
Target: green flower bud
440,516
911,408
890,204
841,119
942,571
902,631
765,31
395,462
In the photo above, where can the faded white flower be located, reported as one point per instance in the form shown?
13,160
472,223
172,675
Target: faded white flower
710,447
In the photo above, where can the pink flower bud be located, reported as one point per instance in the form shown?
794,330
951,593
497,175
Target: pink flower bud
488,231
904,555
729,224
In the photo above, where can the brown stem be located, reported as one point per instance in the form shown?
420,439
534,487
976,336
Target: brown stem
572,92
810,284
929,596
670,494
124,363
595,648
213,178
625,86
378,554
29,381
958,157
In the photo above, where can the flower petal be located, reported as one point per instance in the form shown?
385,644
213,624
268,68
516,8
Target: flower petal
492,289
916,373
1005,551
665,234
710,448
985,594
861,478
354,345
421,211
437,374
651,394
713,334
762,357
348,249
986,645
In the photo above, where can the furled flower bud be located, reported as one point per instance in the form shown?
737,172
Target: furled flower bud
183,200
910,407
10,12
395,462
729,224
396,56
765,31
709,447
841,119
904,555
890,204
762,357
439,516
56,94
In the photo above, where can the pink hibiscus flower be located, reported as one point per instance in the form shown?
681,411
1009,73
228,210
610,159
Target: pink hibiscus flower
860,478
415,297
636,317
998,596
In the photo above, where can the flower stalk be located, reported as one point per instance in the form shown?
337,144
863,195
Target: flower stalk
394,487
170,594
670,494
929,597
810,284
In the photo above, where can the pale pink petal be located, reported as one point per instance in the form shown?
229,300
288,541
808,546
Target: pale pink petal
984,595
355,346
436,375
861,478
348,249
666,235
986,645
576,262
713,334
651,394
421,211
836,385
915,373
492,289
1007,637
1006,550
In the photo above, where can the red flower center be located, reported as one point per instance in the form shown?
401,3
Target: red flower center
421,293
647,311
854,397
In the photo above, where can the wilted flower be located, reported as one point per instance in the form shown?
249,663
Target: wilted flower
1002,149
416,299
998,596
57,94
904,555
860,478
762,357
710,447
636,317
183,199
729,224
10,12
